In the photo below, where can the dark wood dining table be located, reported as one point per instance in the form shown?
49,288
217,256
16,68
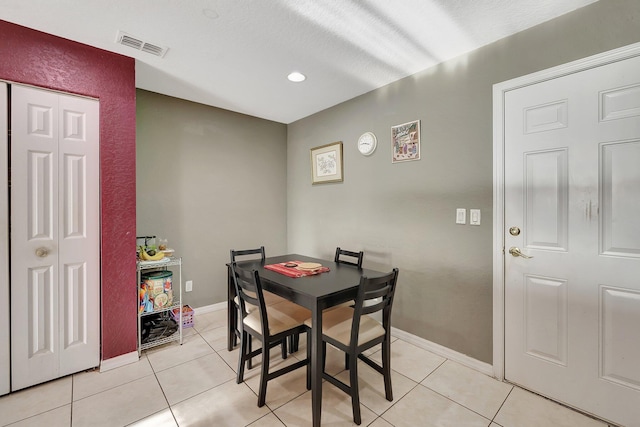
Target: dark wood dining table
317,292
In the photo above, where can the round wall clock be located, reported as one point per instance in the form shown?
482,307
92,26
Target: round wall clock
367,143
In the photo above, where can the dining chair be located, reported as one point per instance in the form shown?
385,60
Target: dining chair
269,297
341,253
353,331
271,325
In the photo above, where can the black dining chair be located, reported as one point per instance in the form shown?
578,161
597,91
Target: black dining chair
353,330
271,325
269,297
352,258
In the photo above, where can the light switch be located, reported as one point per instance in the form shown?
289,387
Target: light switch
474,216
461,216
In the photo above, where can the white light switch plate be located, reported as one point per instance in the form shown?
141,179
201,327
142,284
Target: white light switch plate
461,216
188,286
474,216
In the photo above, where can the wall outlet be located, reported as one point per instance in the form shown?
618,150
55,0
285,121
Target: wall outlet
461,216
188,285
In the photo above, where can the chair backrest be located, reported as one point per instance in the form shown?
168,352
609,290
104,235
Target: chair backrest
374,294
249,290
358,256
244,252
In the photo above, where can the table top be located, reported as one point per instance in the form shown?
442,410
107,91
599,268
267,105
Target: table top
321,290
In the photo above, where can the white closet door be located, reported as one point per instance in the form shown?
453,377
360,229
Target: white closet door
5,367
54,235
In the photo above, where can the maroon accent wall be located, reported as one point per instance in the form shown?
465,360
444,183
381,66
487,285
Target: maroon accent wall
39,59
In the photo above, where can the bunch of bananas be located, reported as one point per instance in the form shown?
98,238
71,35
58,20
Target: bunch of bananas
154,256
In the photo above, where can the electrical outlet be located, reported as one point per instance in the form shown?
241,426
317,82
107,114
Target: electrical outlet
461,216
188,285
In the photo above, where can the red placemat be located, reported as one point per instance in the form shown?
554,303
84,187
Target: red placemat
294,271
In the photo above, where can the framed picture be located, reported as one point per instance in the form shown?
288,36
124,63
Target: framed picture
326,163
405,141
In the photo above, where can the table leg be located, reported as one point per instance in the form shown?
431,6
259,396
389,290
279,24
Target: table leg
316,365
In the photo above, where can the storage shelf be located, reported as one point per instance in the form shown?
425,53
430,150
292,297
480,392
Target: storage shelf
177,301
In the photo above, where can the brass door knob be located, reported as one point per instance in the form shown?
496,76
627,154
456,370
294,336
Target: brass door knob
42,252
516,253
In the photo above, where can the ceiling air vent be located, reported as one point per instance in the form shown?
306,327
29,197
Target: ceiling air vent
130,41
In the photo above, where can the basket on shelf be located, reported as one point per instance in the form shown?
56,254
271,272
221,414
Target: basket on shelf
187,315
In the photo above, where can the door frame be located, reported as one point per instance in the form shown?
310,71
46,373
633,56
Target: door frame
499,92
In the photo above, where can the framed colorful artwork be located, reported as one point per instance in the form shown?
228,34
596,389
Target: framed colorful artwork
405,141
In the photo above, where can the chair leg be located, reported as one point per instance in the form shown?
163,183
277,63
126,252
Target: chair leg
264,372
241,357
283,344
353,387
386,368
346,361
324,355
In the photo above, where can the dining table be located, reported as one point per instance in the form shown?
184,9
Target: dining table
315,292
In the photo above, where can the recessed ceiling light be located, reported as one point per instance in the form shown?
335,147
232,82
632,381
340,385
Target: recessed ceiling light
296,77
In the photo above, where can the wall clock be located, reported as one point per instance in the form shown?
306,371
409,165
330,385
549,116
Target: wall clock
367,143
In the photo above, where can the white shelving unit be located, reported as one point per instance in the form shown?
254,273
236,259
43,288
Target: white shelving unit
166,311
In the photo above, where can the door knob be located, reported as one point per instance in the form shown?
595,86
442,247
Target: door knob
42,252
516,253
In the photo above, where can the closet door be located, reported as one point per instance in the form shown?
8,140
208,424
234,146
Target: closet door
4,244
54,235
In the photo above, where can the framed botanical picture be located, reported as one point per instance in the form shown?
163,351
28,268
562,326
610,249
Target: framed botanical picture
405,140
326,163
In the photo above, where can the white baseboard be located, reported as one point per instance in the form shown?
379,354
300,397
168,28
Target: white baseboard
118,361
443,351
210,308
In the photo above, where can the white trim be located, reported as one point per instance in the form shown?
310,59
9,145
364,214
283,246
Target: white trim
210,308
118,361
462,359
499,91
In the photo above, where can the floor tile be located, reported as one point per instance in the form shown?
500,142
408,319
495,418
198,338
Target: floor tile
87,383
468,387
411,361
525,409
172,354
56,417
35,400
163,418
229,404
121,405
426,408
191,378
216,338
210,320
380,422
267,421
371,387
336,410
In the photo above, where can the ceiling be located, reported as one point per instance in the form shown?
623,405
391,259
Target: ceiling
236,54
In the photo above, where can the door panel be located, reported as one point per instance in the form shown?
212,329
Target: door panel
55,242
572,183
4,244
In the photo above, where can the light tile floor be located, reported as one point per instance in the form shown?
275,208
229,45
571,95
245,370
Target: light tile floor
194,385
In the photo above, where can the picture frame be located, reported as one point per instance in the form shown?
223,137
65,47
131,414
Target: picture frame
405,142
326,163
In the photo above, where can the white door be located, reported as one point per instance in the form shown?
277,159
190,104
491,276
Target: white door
5,367
572,186
55,264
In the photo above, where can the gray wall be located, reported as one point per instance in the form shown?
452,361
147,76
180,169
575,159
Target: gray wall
209,180
403,215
